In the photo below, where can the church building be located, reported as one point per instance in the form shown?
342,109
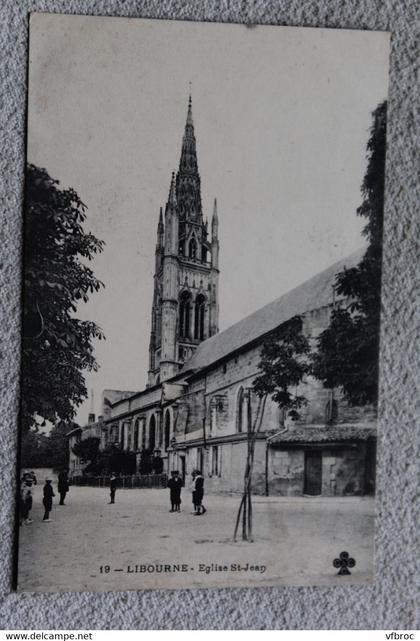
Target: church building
199,404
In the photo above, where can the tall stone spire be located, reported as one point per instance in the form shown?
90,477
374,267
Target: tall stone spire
188,187
185,307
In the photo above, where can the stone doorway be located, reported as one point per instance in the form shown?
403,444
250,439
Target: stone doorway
313,473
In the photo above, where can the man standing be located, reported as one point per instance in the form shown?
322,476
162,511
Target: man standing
63,486
112,487
175,485
47,500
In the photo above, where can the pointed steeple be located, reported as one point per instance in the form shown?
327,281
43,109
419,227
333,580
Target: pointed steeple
189,122
188,189
171,220
160,231
214,220
172,192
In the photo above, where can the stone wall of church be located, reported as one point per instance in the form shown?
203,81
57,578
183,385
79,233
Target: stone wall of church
216,396
206,425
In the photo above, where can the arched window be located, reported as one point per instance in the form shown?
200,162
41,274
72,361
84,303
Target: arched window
160,435
136,435
181,248
184,314
143,435
243,411
200,302
152,433
192,249
122,436
167,429
213,418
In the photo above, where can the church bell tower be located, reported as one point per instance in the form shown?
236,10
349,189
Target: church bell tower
185,308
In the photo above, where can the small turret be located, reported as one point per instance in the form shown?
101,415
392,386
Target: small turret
214,221
171,220
160,230
159,243
214,237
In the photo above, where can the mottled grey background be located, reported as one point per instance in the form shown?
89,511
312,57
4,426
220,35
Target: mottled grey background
390,601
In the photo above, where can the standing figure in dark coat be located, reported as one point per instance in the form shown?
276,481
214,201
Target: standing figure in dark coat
25,501
112,488
198,493
175,485
47,500
63,486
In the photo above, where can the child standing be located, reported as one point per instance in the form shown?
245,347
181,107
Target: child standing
112,487
47,500
26,501
198,493
175,485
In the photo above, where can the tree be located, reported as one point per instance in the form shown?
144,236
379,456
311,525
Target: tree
348,350
112,459
35,450
88,450
58,445
56,346
284,363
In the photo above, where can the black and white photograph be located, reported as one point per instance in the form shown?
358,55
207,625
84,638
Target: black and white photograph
202,266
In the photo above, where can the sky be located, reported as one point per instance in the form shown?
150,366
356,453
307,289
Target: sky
282,118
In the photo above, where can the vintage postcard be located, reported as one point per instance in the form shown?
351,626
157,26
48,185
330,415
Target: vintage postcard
202,270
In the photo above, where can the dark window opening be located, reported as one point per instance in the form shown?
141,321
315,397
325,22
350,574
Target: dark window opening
331,411
215,461
184,315
152,433
167,429
192,249
199,318
143,436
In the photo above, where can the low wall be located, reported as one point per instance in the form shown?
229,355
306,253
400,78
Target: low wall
125,482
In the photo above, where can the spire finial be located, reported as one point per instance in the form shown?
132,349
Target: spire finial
189,112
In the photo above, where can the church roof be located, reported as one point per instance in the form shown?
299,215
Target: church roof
312,294
325,434
110,396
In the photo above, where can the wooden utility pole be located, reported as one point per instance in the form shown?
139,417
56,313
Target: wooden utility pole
245,507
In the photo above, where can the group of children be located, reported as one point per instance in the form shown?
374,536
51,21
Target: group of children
175,484
28,480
